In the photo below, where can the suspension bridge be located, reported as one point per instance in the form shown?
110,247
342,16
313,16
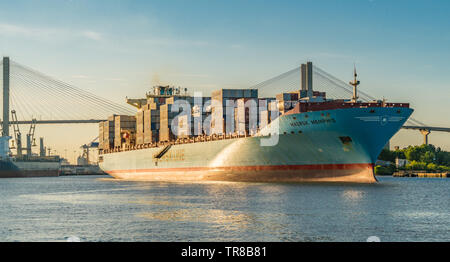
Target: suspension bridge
37,98
33,95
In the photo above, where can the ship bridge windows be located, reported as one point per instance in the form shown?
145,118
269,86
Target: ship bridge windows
346,140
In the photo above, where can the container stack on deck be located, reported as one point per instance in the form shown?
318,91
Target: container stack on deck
245,109
100,136
106,134
166,117
265,108
140,127
125,130
154,118
287,101
201,117
151,123
220,108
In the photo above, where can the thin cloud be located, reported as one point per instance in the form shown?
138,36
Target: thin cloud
80,76
92,35
114,79
16,30
45,33
161,41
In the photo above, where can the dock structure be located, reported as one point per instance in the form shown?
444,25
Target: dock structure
418,173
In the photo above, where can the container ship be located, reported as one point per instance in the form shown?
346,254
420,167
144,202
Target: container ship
234,135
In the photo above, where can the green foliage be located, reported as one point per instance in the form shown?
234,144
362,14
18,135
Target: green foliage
424,157
443,158
444,168
428,157
432,166
419,153
388,155
384,171
416,165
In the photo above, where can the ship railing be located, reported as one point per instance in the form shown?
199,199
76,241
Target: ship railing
187,140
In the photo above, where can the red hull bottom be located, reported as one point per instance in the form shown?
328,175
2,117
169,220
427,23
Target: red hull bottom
353,173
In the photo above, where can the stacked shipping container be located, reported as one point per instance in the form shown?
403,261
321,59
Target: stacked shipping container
106,134
246,109
287,101
123,125
220,108
151,125
265,109
166,117
140,127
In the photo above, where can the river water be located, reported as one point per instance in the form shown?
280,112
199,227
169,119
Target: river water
98,208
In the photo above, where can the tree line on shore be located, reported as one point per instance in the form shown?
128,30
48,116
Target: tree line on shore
424,157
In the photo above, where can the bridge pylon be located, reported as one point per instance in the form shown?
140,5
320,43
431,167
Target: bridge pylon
6,75
425,133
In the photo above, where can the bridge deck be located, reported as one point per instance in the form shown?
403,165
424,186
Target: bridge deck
430,128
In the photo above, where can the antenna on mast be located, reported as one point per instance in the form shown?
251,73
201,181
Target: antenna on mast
355,84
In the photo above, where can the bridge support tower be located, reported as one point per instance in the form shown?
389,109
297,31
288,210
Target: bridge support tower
6,73
425,133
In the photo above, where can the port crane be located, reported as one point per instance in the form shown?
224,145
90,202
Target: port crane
31,141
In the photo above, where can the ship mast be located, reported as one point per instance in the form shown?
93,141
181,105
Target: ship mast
355,84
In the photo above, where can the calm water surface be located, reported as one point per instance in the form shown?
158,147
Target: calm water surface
103,209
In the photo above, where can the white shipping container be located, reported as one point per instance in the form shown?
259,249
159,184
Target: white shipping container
263,119
183,126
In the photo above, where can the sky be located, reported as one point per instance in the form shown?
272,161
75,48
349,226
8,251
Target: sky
118,48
